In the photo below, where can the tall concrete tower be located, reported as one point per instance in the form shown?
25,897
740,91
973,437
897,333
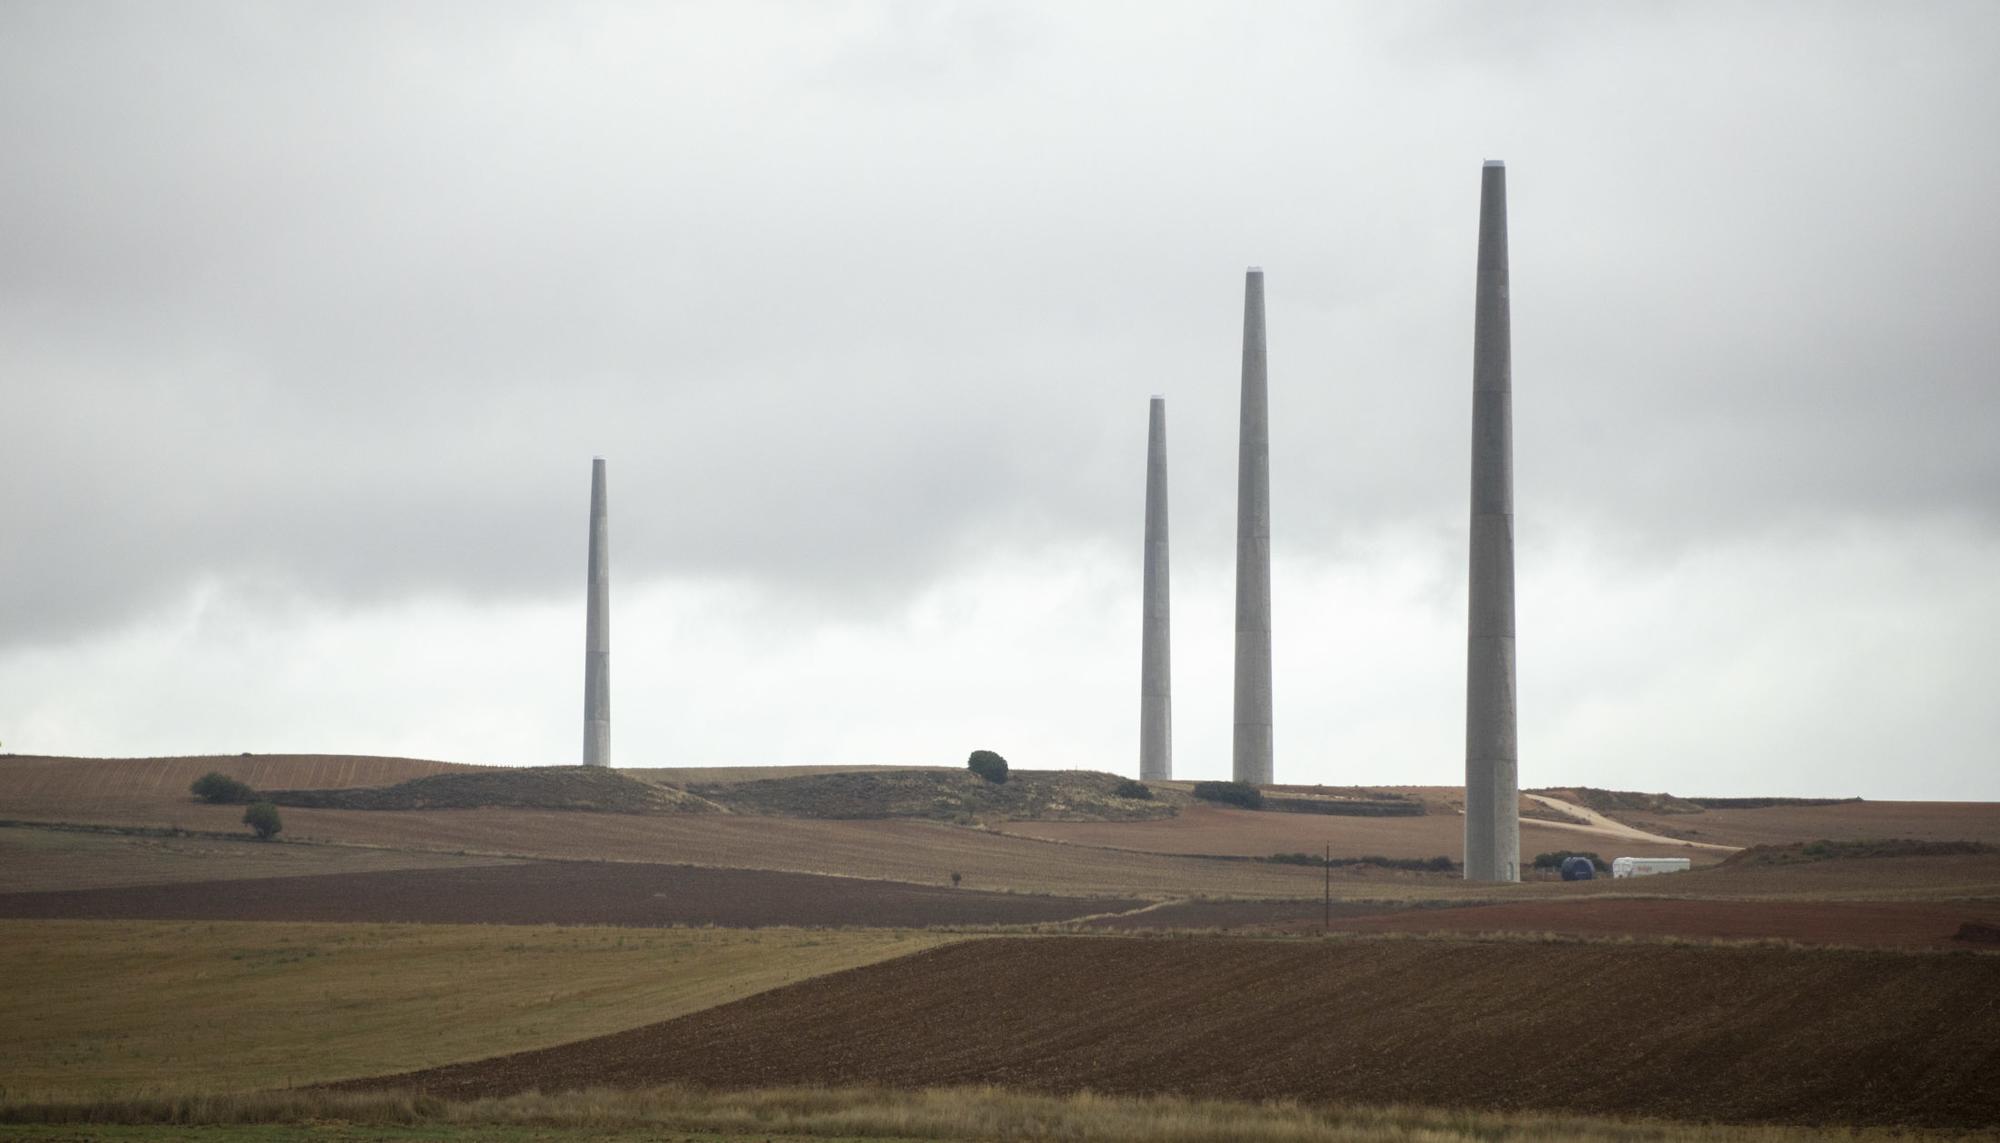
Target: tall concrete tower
1251,754
597,631
1492,746
1156,717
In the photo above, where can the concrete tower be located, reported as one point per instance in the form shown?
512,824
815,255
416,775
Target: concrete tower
1492,747
1156,717
597,632
1251,754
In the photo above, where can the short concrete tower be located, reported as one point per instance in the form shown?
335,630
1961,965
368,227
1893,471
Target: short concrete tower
1251,753
1156,716
1492,747
597,632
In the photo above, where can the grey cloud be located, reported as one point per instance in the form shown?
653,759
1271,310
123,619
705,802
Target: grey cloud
349,296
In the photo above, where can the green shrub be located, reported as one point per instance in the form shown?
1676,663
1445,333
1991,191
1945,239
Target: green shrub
219,789
1231,793
263,817
988,765
1130,789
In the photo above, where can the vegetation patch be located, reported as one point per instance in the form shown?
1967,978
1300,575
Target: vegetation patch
1766,803
598,789
1240,794
1623,801
1801,853
855,1114
943,795
1387,806
1439,864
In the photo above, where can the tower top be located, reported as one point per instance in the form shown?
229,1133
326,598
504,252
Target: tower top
1496,163
1256,269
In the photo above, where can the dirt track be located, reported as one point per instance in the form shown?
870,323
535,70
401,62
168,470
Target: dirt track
1735,1034
563,893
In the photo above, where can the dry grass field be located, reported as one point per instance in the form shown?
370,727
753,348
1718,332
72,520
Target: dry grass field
1847,821
921,852
36,859
99,1008
566,893
847,1115
1214,829
79,781
1736,1034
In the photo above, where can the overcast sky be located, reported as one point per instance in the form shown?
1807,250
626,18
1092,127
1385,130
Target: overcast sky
313,315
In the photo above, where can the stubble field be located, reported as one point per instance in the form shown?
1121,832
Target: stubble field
116,1008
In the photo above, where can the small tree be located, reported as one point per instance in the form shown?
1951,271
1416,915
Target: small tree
1130,789
955,878
263,817
988,765
219,789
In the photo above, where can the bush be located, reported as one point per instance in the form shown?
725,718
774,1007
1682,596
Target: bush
988,765
1555,860
1130,789
1232,793
219,789
263,817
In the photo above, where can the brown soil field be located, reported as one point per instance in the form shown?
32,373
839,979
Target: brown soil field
1848,821
562,893
1244,833
683,775
34,859
1732,1034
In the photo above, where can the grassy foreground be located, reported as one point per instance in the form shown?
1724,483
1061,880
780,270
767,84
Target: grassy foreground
97,1009
860,1115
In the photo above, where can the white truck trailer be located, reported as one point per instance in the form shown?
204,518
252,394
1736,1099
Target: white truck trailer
1646,866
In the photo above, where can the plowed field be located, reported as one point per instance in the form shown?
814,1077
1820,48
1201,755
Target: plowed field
563,893
1732,1034
1835,923
1886,925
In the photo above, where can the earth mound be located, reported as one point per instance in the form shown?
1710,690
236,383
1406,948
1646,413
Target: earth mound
1800,853
945,795
596,789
